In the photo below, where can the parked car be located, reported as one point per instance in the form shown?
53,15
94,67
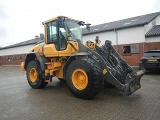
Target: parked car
150,60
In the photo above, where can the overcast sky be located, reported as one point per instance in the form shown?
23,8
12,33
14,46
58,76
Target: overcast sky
21,20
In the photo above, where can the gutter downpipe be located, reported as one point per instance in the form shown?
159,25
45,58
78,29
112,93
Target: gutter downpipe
116,39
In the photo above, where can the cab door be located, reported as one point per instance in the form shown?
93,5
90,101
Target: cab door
56,38
62,36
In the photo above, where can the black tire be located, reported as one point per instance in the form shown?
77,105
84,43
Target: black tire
94,76
62,80
39,79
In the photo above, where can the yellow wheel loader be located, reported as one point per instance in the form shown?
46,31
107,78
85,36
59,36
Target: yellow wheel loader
85,68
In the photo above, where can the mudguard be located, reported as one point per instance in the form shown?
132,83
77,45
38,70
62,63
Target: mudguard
36,56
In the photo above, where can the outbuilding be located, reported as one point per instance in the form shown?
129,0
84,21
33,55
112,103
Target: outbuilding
133,35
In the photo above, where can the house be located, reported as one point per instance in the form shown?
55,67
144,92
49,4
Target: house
133,35
15,54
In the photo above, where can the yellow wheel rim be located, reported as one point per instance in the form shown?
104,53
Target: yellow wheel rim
79,79
33,75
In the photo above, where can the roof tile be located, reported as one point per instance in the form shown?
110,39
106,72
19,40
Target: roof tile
125,23
154,31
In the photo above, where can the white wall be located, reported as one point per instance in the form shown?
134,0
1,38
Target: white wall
131,35
125,36
16,50
102,36
152,39
149,26
158,20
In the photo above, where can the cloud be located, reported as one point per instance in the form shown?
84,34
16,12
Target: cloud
3,32
156,5
4,36
3,11
4,18
21,20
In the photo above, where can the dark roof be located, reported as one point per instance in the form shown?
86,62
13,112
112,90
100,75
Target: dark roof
27,42
154,31
125,23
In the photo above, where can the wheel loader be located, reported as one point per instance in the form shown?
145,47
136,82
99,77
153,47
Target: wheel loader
84,67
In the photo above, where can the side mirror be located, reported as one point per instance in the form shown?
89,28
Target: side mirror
88,26
42,36
83,23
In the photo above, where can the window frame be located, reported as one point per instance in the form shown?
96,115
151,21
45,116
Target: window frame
133,49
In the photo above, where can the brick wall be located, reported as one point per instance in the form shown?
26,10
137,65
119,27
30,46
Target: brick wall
153,46
12,59
132,59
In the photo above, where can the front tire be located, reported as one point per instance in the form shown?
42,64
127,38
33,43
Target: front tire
84,78
34,75
62,80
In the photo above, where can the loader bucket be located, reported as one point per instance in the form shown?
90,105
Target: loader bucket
133,83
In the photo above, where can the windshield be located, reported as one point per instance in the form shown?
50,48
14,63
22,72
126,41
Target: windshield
152,54
74,29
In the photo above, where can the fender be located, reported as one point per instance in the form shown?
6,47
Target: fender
35,56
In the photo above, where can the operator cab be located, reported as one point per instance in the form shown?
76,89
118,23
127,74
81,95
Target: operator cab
61,29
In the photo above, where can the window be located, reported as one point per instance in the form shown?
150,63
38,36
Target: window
62,38
18,57
51,32
126,49
75,29
135,48
131,49
63,32
13,57
7,58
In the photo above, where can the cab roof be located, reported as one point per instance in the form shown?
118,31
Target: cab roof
55,18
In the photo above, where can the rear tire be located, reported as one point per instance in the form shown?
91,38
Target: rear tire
84,78
34,75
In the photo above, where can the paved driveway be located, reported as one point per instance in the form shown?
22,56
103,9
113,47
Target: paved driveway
20,102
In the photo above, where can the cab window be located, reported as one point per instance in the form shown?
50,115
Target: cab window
51,32
62,38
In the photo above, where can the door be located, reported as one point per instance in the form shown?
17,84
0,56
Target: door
56,34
